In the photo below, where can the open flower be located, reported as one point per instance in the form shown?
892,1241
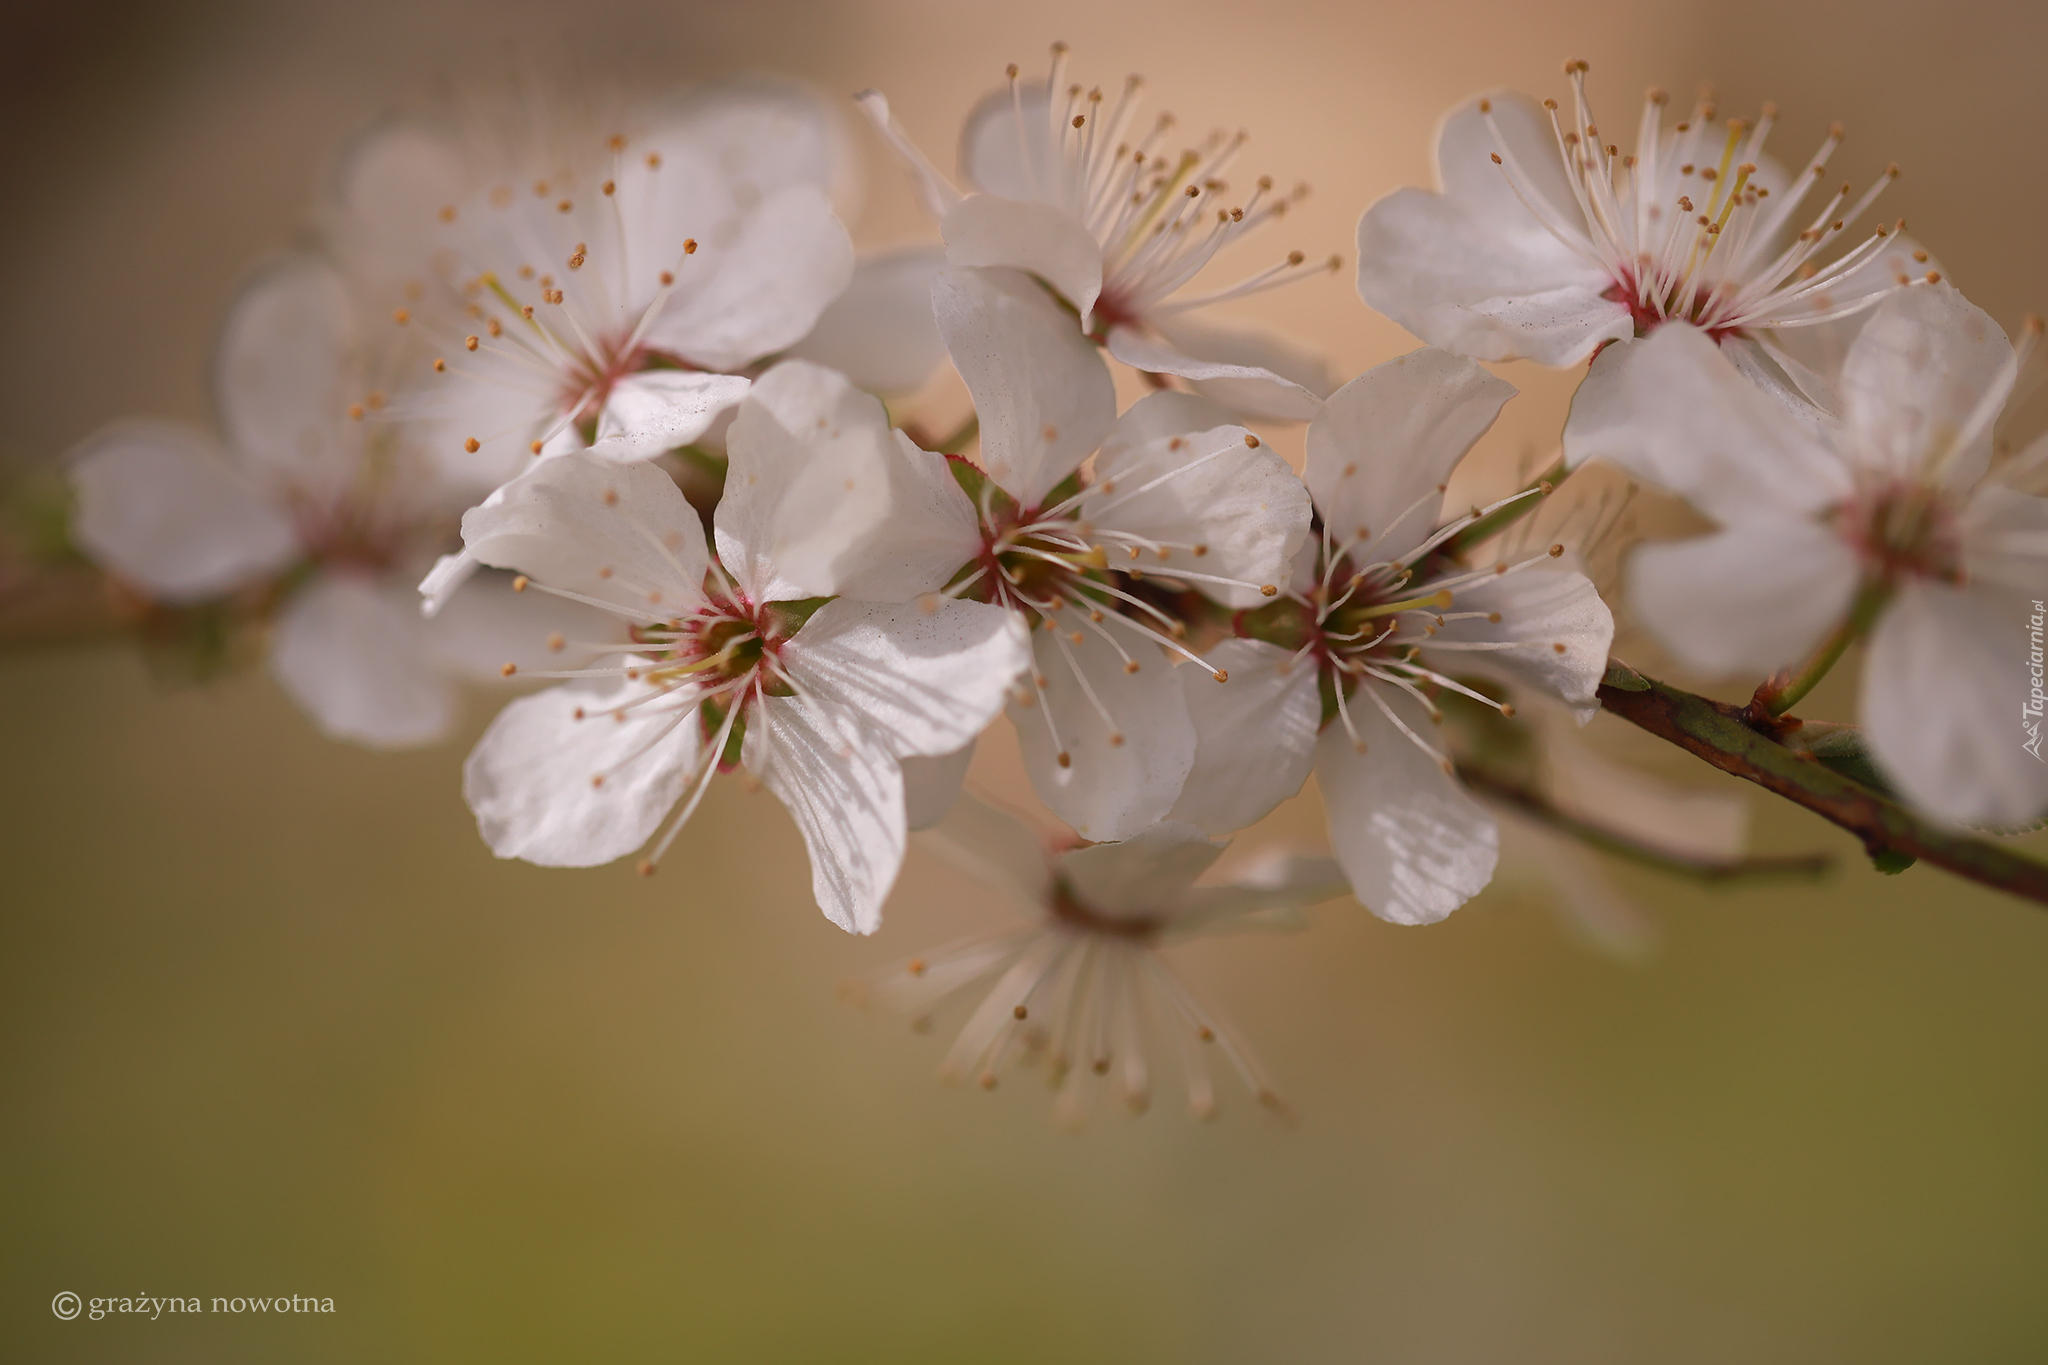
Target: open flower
1890,519
316,504
1070,188
1082,990
1177,497
1337,676
739,658
613,291
1545,242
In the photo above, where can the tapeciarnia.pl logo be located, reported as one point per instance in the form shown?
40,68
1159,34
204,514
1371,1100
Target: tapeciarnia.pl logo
2037,699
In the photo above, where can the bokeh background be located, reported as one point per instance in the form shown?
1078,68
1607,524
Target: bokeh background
272,1020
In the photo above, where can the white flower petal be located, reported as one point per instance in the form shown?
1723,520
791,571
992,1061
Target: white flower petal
925,679
391,185
1449,273
1541,607
842,787
789,258
1926,363
1387,440
996,849
487,625
1560,326
1255,735
1303,378
764,134
1414,843
1945,685
1673,412
1250,389
1007,146
1516,126
529,779
619,533
669,193
285,375
1143,876
659,410
354,655
160,505
1773,371
984,230
495,402
1819,349
1472,268
934,190
880,333
1107,790
931,786
1270,894
822,498
1752,598
1213,489
1044,395
2005,537
444,580
1162,414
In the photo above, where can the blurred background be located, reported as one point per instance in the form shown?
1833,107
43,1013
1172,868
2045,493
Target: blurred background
275,1022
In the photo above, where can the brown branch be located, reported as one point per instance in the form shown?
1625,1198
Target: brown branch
1529,802
1889,831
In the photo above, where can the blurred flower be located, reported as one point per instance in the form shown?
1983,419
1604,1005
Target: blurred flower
1071,191
880,333
1686,826
1177,494
1333,676
739,658
1083,990
599,290
316,499
1890,518
1546,243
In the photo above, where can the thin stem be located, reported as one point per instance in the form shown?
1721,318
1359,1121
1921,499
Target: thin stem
1782,690
1723,736
1498,520
1533,804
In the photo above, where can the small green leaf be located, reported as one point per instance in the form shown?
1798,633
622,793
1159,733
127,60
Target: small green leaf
1841,749
1891,862
790,617
1620,676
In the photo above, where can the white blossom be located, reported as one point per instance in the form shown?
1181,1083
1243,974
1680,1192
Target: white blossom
1546,242
1894,511
1336,678
1176,493
599,286
312,494
1077,191
735,658
1082,989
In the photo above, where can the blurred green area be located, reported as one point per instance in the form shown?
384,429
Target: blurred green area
272,1021
276,1023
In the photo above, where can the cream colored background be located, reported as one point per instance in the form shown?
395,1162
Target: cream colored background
274,1021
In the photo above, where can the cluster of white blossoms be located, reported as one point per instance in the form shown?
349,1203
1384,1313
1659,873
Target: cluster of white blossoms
603,405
